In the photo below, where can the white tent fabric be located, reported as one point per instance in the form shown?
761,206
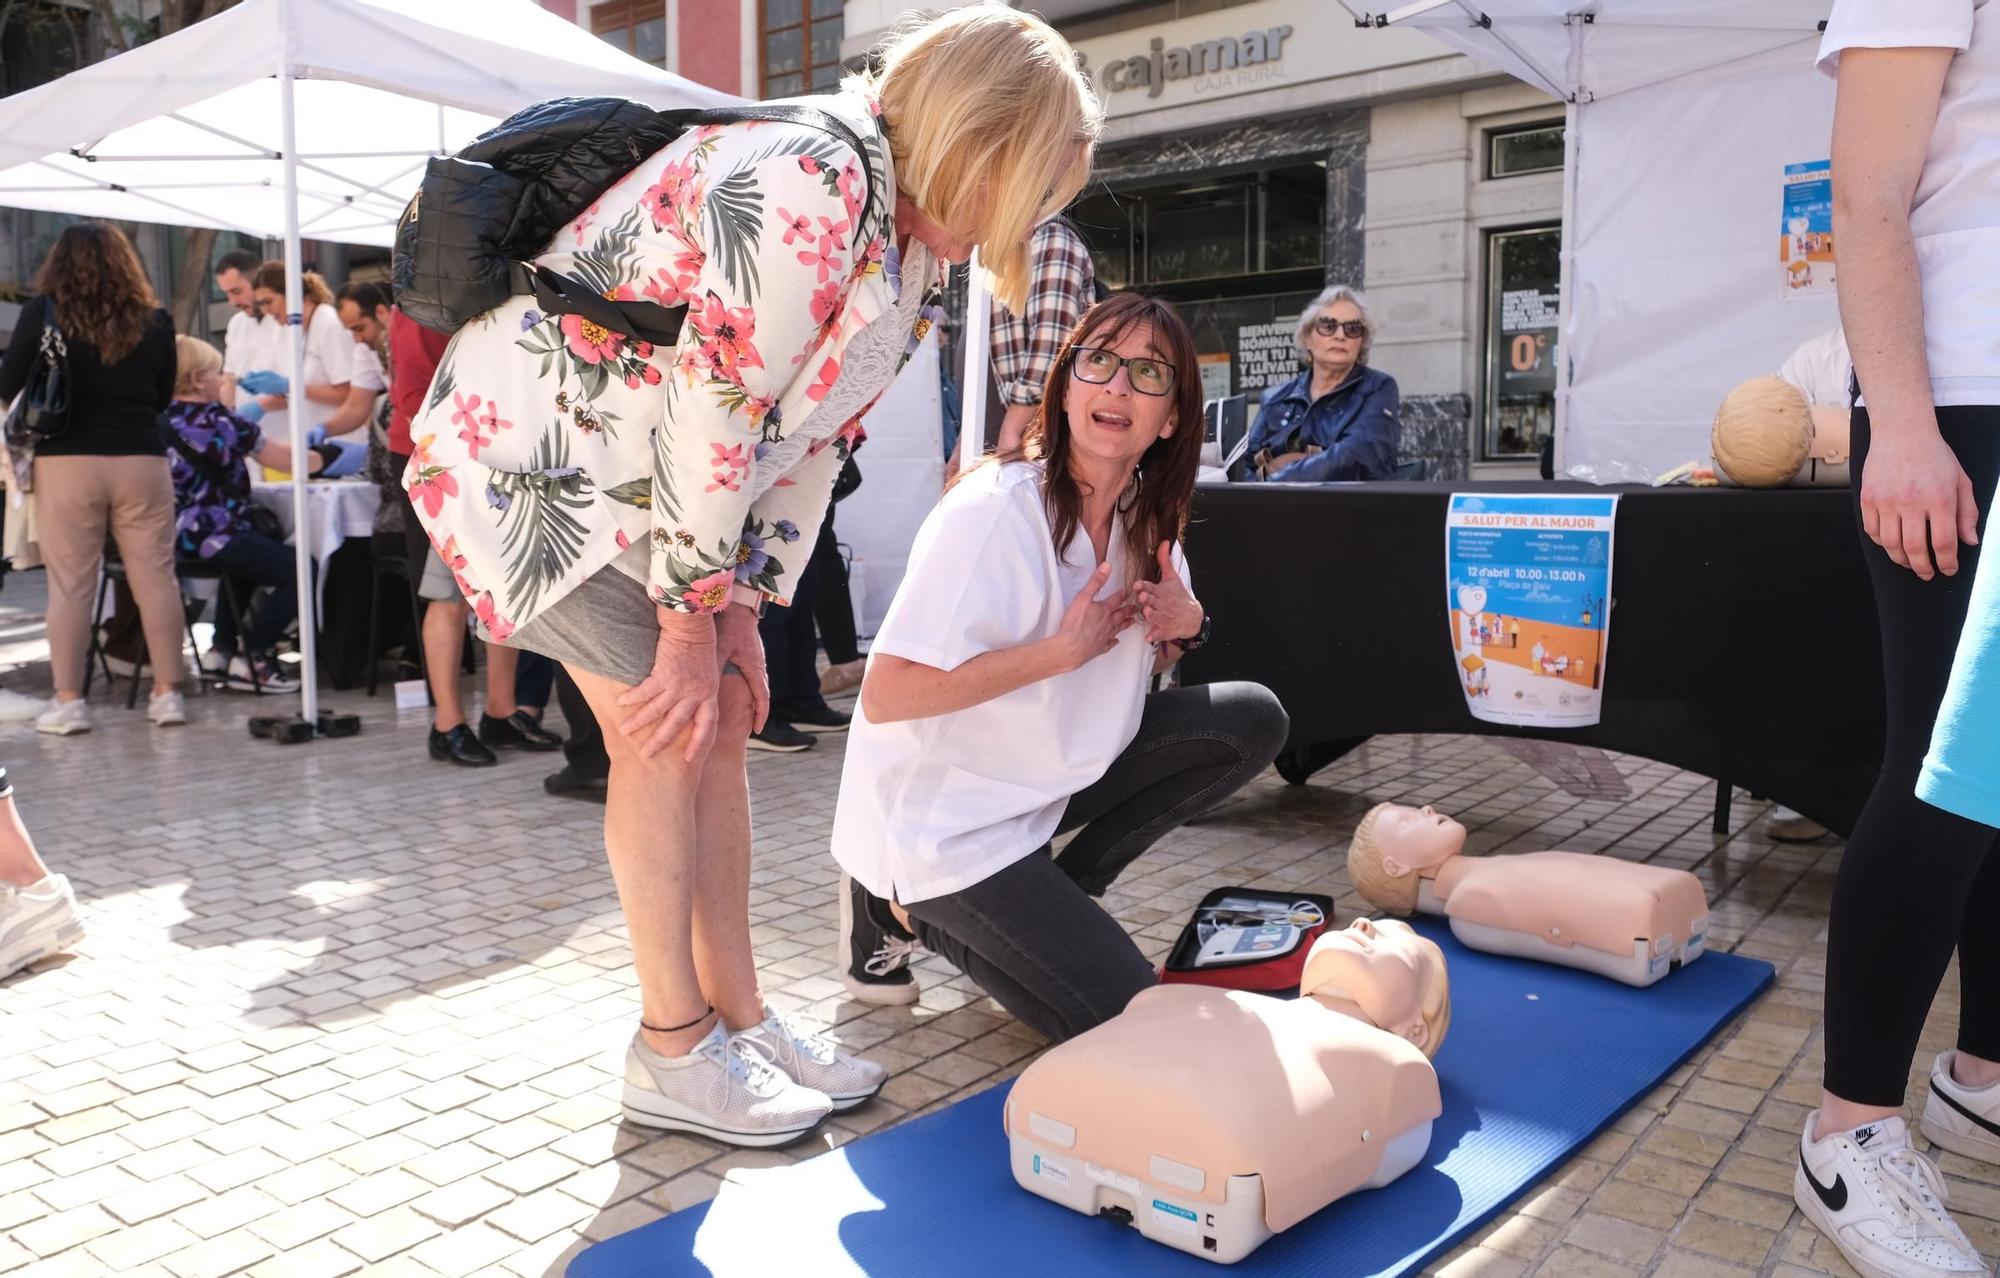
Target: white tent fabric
1682,117
292,117
185,130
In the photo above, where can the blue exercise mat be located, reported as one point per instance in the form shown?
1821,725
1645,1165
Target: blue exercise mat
1538,1060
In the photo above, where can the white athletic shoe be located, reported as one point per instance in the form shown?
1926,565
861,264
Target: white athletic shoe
723,1089
1964,1120
64,718
166,709
1882,1203
37,921
807,1056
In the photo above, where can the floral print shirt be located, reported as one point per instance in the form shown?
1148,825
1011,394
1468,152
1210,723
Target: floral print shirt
208,513
549,447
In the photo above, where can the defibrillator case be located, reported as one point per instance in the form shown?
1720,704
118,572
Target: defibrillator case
1276,972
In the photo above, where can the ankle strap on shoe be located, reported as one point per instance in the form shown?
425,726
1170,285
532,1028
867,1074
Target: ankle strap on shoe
674,1029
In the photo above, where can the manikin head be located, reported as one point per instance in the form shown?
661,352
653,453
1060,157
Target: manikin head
1393,846
1382,972
1763,433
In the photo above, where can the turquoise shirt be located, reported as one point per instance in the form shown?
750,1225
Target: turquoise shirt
1962,772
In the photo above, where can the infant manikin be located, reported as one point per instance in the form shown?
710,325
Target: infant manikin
1211,1119
1632,923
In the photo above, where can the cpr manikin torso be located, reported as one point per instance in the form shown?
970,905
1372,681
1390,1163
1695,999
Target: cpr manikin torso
1215,1118
1632,923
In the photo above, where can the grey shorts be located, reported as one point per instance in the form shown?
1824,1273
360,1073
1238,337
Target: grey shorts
437,583
607,626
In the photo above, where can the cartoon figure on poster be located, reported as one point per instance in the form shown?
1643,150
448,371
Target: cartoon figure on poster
1529,589
1805,231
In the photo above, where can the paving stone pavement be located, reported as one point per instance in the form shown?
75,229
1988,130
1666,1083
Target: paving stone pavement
343,1010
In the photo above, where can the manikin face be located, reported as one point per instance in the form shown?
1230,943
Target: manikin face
1413,840
1385,969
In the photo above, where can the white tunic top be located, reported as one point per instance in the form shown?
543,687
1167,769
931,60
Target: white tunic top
1955,218
932,806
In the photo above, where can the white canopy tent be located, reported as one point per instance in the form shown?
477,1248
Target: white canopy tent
291,117
1681,118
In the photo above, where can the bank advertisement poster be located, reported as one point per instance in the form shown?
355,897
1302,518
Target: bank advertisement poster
1806,230
1528,581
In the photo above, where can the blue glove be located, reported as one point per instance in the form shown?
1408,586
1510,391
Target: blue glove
250,411
264,382
352,457
315,437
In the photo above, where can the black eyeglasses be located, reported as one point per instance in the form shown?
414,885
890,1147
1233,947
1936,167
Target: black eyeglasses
1327,326
1097,366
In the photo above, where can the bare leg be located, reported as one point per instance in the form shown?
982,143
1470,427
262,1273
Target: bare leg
1974,1071
1837,1115
649,834
501,663
19,865
722,953
444,644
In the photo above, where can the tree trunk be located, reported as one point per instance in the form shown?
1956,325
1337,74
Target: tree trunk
191,285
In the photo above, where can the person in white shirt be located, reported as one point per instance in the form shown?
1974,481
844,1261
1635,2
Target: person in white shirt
1916,215
328,358
1006,697
252,339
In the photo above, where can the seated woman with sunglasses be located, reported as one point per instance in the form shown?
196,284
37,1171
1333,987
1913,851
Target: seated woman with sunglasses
1339,419
1006,697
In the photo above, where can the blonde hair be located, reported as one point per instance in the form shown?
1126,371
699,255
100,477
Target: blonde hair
983,106
192,358
1381,889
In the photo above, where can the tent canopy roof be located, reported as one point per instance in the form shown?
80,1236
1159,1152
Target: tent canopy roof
185,129
1578,50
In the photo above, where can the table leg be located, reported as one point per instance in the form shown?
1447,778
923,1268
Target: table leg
1723,791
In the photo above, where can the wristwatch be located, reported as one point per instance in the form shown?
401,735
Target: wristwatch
1199,637
755,600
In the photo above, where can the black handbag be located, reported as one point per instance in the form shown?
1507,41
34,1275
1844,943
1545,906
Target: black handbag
41,412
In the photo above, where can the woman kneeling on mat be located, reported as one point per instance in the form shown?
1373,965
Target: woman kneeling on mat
1006,695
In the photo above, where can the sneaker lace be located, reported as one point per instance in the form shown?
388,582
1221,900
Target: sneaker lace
745,1064
895,952
1917,1190
808,1036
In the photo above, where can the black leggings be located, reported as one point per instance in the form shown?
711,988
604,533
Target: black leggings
1915,880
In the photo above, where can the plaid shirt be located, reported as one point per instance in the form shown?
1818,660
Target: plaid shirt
1059,292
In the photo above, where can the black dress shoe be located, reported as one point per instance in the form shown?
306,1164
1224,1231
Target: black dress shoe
820,718
518,731
461,747
568,784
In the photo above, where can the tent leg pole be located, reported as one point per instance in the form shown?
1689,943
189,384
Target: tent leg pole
978,326
295,417
1565,286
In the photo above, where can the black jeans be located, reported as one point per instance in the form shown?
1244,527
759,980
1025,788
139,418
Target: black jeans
1030,935
833,606
253,560
1915,880
791,650
583,749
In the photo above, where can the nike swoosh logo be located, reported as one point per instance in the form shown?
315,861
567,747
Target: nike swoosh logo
1834,1196
1987,1123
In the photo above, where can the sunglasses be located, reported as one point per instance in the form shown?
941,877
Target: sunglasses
1327,326
1097,366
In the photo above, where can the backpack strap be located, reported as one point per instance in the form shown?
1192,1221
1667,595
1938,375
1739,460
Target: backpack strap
808,117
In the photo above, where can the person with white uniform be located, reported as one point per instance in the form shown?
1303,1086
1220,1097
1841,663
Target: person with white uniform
252,339
1006,697
1916,214
328,359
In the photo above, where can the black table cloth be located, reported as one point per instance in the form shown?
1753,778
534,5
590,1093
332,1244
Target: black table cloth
1743,641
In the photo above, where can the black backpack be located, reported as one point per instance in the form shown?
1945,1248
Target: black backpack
462,244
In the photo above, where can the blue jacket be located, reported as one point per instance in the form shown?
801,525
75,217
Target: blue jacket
1355,426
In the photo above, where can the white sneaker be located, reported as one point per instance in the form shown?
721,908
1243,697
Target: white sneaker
723,1089
810,1058
64,718
1964,1120
37,921
271,678
1882,1203
214,661
166,709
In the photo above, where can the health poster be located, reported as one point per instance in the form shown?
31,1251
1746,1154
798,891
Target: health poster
1805,230
1528,585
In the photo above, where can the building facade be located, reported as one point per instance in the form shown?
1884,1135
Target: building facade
1258,150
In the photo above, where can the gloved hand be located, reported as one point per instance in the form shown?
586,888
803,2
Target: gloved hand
250,411
263,381
315,437
351,459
